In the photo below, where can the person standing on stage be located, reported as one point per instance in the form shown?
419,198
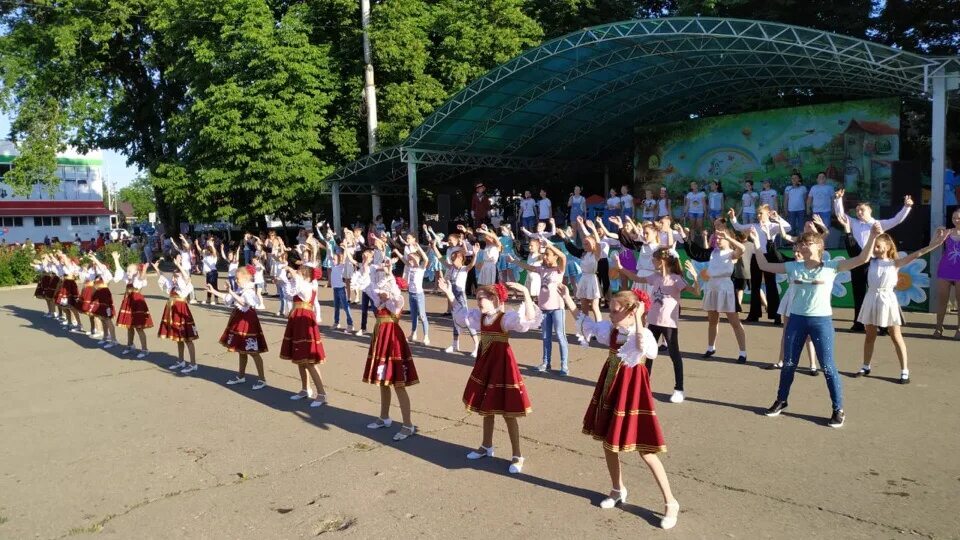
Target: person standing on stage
860,231
545,207
528,211
795,199
820,200
480,205
577,204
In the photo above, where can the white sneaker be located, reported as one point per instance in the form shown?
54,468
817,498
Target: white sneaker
126,351
236,380
610,502
380,423
142,355
109,345
474,353
97,335
516,466
320,401
486,452
258,385
426,340
178,365
677,396
300,395
450,349
189,369
78,330
360,333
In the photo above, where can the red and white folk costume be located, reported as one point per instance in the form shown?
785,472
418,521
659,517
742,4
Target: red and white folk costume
134,312
621,412
389,361
243,333
68,293
89,277
302,343
101,303
495,386
177,322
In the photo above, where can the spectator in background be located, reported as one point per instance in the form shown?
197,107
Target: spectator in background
545,207
528,211
795,196
480,205
768,196
577,204
46,240
949,190
748,203
626,202
820,201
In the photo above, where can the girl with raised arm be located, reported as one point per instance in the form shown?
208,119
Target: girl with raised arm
551,303
811,314
495,386
302,343
134,314
948,275
177,322
243,334
621,413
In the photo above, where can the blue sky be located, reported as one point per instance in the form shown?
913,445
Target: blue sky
114,165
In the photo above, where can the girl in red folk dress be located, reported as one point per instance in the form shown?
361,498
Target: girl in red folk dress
67,297
302,344
495,386
243,334
621,412
389,362
101,305
134,314
177,322
88,275
53,283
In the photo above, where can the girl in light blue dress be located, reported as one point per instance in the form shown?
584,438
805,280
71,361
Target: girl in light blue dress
573,263
507,269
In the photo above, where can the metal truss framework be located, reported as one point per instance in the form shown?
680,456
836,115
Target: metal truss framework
578,97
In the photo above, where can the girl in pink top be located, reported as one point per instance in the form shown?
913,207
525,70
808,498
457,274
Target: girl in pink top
666,284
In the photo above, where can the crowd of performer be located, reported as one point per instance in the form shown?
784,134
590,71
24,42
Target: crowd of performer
563,269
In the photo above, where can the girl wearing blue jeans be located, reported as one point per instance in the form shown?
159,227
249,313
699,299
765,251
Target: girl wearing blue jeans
811,314
550,301
415,268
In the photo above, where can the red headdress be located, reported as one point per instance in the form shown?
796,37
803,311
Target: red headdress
643,299
501,292
251,269
402,283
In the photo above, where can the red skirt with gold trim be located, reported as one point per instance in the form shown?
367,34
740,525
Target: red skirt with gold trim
621,412
101,304
41,285
243,333
389,361
302,343
53,284
86,297
495,385
177,323
68,294
134,312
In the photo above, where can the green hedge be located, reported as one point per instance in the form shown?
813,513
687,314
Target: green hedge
16,264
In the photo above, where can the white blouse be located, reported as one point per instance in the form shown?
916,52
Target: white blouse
631,352
182,287
248,298
513,321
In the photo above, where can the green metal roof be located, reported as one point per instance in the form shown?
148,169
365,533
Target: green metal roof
579,97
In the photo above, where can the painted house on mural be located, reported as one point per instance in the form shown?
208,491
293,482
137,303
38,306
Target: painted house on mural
75,207
869,150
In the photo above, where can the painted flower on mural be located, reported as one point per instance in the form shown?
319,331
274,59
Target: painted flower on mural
912,280
701,268
839,283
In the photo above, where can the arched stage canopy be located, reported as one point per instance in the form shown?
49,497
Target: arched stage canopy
576,99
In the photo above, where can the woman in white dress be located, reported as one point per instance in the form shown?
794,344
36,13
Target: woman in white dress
588,286
487,267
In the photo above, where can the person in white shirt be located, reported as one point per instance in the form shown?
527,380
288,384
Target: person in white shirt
663,204
648,207
860,227
715,200
693,206
528,211
415,266
545,206
209,261
748,203
820,199
795,199
769,196
626,202
612,208
340,291
768,226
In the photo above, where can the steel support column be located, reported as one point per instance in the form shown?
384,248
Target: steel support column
335,197
939,81
412,189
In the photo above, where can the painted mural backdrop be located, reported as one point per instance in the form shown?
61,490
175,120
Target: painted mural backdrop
854,142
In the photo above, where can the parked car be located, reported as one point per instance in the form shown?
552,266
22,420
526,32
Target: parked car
119,234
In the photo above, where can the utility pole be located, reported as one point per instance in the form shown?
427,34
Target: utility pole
369,96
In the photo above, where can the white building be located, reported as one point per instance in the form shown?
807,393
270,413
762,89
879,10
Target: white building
74,208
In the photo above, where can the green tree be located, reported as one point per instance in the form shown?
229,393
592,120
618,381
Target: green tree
140,195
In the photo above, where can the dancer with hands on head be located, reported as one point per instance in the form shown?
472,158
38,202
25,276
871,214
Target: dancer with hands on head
495,386
811,314
243,334
302,343
621,412
389,362
134,314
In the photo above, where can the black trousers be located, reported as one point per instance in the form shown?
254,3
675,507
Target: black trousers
773,292
858,278
673,347
471,282
603,273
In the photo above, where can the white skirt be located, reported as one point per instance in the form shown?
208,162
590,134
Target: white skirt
487,274
719,296
533,284
786,301
588,287
881,309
